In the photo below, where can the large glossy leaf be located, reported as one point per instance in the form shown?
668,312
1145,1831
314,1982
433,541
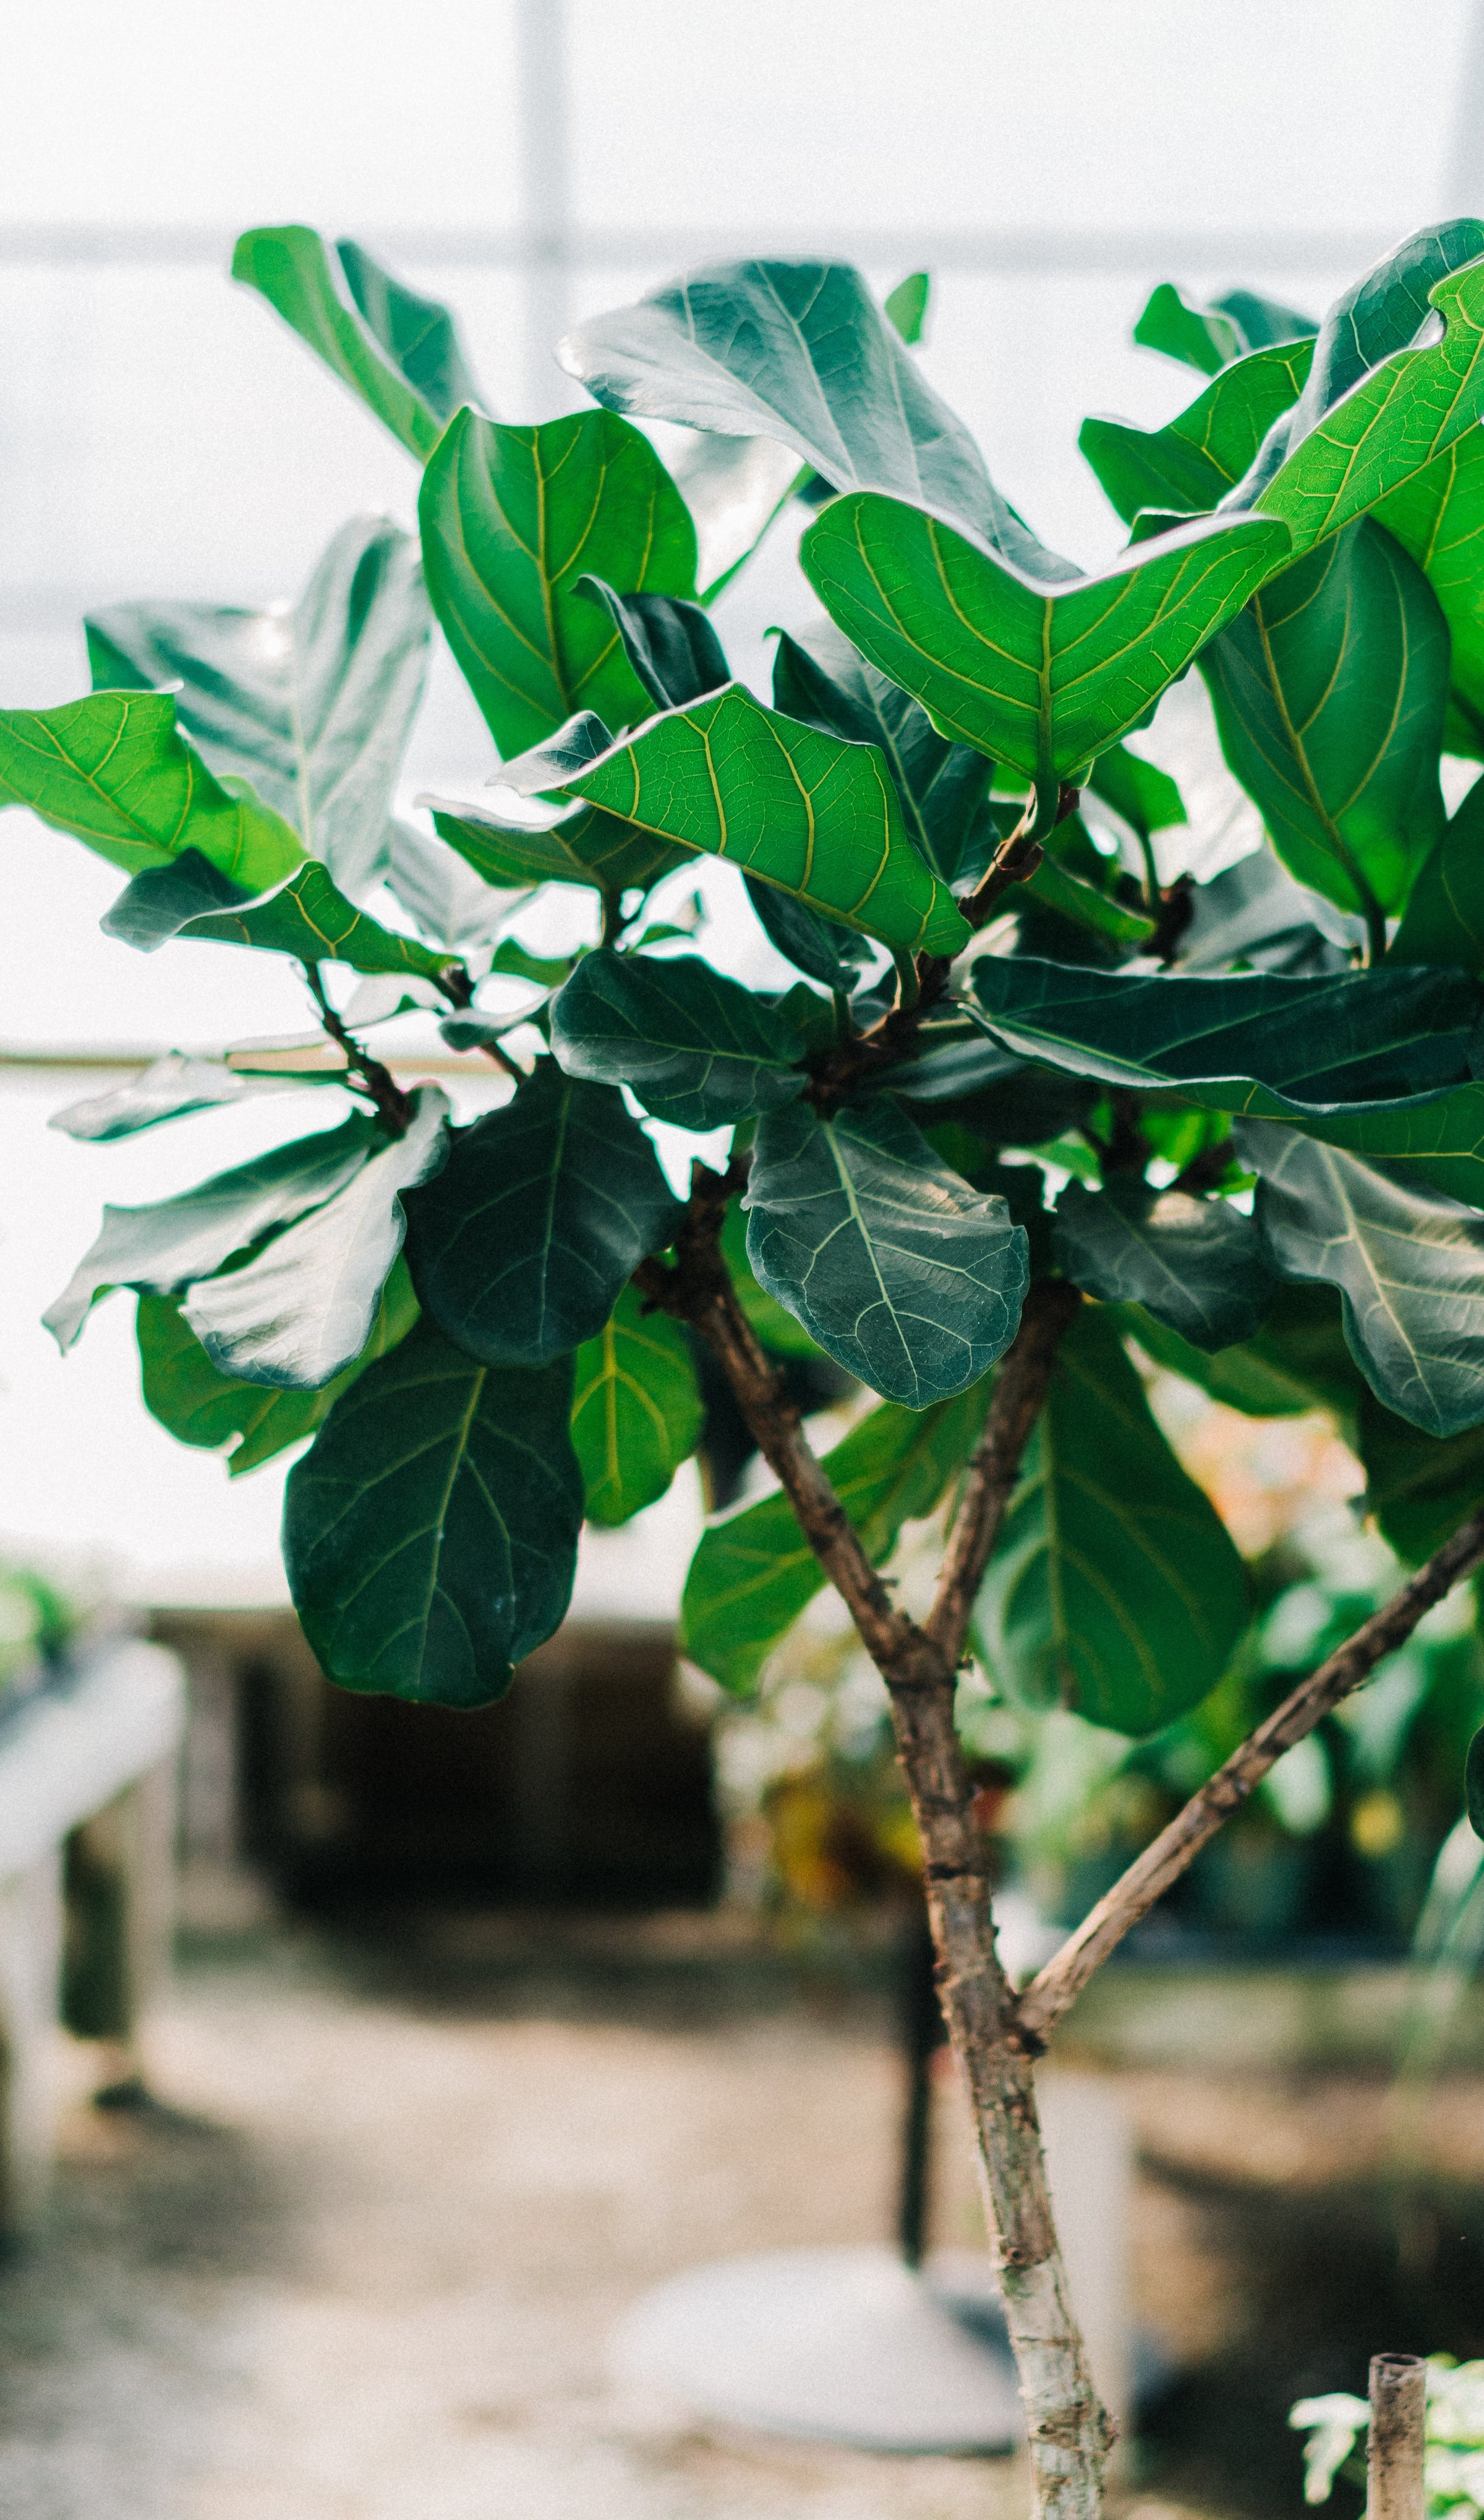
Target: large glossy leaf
1358,1060
636,1410
115,772
1039,675
1296,1361
1114,1588
1192,1263
437,886
695,1048
169,1089
1201,337
311,704
1443,917
775,1328
1142,796
198,1405
1419,1490
299,1312
400,353
172,1241
1329,690
1438,517
588,847
942,785
307,917
512,519
1201,454
752,1574
1408,1264
430,1531
544,1209
903,1274
801,810
671,643
1386,393
798,352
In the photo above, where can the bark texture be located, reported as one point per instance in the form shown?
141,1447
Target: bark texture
1394,2488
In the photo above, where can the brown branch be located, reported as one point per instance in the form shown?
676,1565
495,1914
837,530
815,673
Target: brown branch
1021,850
1019,1391
393,1106
1050,1994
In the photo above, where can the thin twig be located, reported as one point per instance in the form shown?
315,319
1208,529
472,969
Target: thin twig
1050,1994
393,1106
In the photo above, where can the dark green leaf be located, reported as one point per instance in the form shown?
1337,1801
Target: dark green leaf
1193,1263
822,679
1201,337
1197,457
1408,1266
671,646
115,771
169,1243
1296,1361
1443,917
156,903
200,1406
512,519
636,1410
775,1328
1358,1060
1329,690
431,1532
816,817
307,917
1039,675
166,1090
1473,1783
1419,1490
695,1048
399,353
313,707
822,947
1261,321
543,1211
302,1310
1114,1588
587,848
1143,797
1438,517
900,1271
752,1575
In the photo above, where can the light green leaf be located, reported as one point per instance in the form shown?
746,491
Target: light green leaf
636,1410
1144,797
904,307
1192,1263
695,1047
166,1090
307,917
1114,1588
752,1574
1329,690
430,1531
183,1389
1438,517
1408,1264
1054,885
820,679
1419,1490
543,1211
441,891
398,352
311,704
171,1243
115,771
1199,335
512,519
903,1274
1041,676
1200,455
302,1310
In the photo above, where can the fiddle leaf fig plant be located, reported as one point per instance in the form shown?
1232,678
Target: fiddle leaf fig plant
1029,1106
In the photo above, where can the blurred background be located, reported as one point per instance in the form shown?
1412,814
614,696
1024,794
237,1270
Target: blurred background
484,2023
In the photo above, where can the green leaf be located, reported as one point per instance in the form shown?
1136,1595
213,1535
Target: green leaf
512,519
307,917
820,680
441,891
1192,1263
1419,1490
900,1271
670,644
313,707
587,848
828,953
1114,1589
1473,1783
1409,1267
1355,1058
430,1531
1443,917
695,1048
1262,321
302,1310
1052,884
1329,690
198,1404
752,1575
636,1410
544,1209
115,772
1380,402
167,1245
1041,676
904,307
1296,1361
1143,797
775,1328
398,352
1199,335
1200,455
800,353
166,1090
820,819
1438,517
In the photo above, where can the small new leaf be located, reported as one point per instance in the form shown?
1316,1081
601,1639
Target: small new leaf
636,1410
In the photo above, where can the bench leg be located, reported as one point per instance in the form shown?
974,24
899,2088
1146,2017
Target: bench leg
120,1890
30,1963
